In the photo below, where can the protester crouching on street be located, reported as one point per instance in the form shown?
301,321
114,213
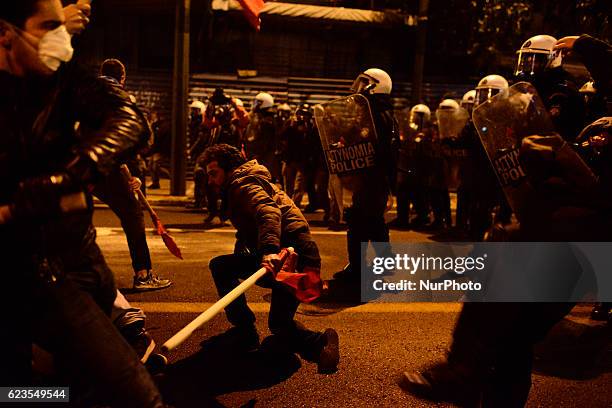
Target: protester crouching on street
266,221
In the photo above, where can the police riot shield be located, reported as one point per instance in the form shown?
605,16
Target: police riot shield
253,129
502,123
403,122
348,137
451,122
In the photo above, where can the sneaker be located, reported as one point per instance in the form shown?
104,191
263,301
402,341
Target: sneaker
242,339
211,221
151,282
329,356
142,343
154,186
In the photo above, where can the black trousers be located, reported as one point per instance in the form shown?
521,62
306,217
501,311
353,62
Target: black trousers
366,223
409,192
115,191
69,318
227,270
440,205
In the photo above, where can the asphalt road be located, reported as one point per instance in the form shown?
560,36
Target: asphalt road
378,341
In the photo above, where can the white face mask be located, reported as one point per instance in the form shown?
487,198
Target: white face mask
55,48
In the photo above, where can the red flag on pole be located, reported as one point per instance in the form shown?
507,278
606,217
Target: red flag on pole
251,10
306,285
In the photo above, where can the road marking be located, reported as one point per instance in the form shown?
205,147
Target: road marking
108,231
263,307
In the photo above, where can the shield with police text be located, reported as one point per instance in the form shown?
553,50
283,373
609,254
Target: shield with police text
502,122
348,137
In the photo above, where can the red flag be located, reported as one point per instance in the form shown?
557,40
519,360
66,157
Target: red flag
251,10
306,286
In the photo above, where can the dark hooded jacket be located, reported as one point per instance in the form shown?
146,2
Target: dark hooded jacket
265,217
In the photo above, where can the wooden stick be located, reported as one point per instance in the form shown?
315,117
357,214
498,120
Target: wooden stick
212,311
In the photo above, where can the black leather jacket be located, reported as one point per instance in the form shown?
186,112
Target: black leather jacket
45,124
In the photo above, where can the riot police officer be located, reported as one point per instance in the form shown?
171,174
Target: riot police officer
365,217
261,130
444,159
466,175
487,194
410,183
541,65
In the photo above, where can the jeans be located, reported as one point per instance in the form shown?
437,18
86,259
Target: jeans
115,191
123,315
227,270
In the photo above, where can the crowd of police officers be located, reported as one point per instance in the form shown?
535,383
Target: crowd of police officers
66,130
421,157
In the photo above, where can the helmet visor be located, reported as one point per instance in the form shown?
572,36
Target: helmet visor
417,120
530,63
467,105
483,94
361,82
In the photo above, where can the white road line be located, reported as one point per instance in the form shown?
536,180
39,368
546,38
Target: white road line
263,307
106,231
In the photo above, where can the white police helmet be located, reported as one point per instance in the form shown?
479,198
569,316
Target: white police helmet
199,105
537,54
263,100
374,80
468,99
490,86
449,104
